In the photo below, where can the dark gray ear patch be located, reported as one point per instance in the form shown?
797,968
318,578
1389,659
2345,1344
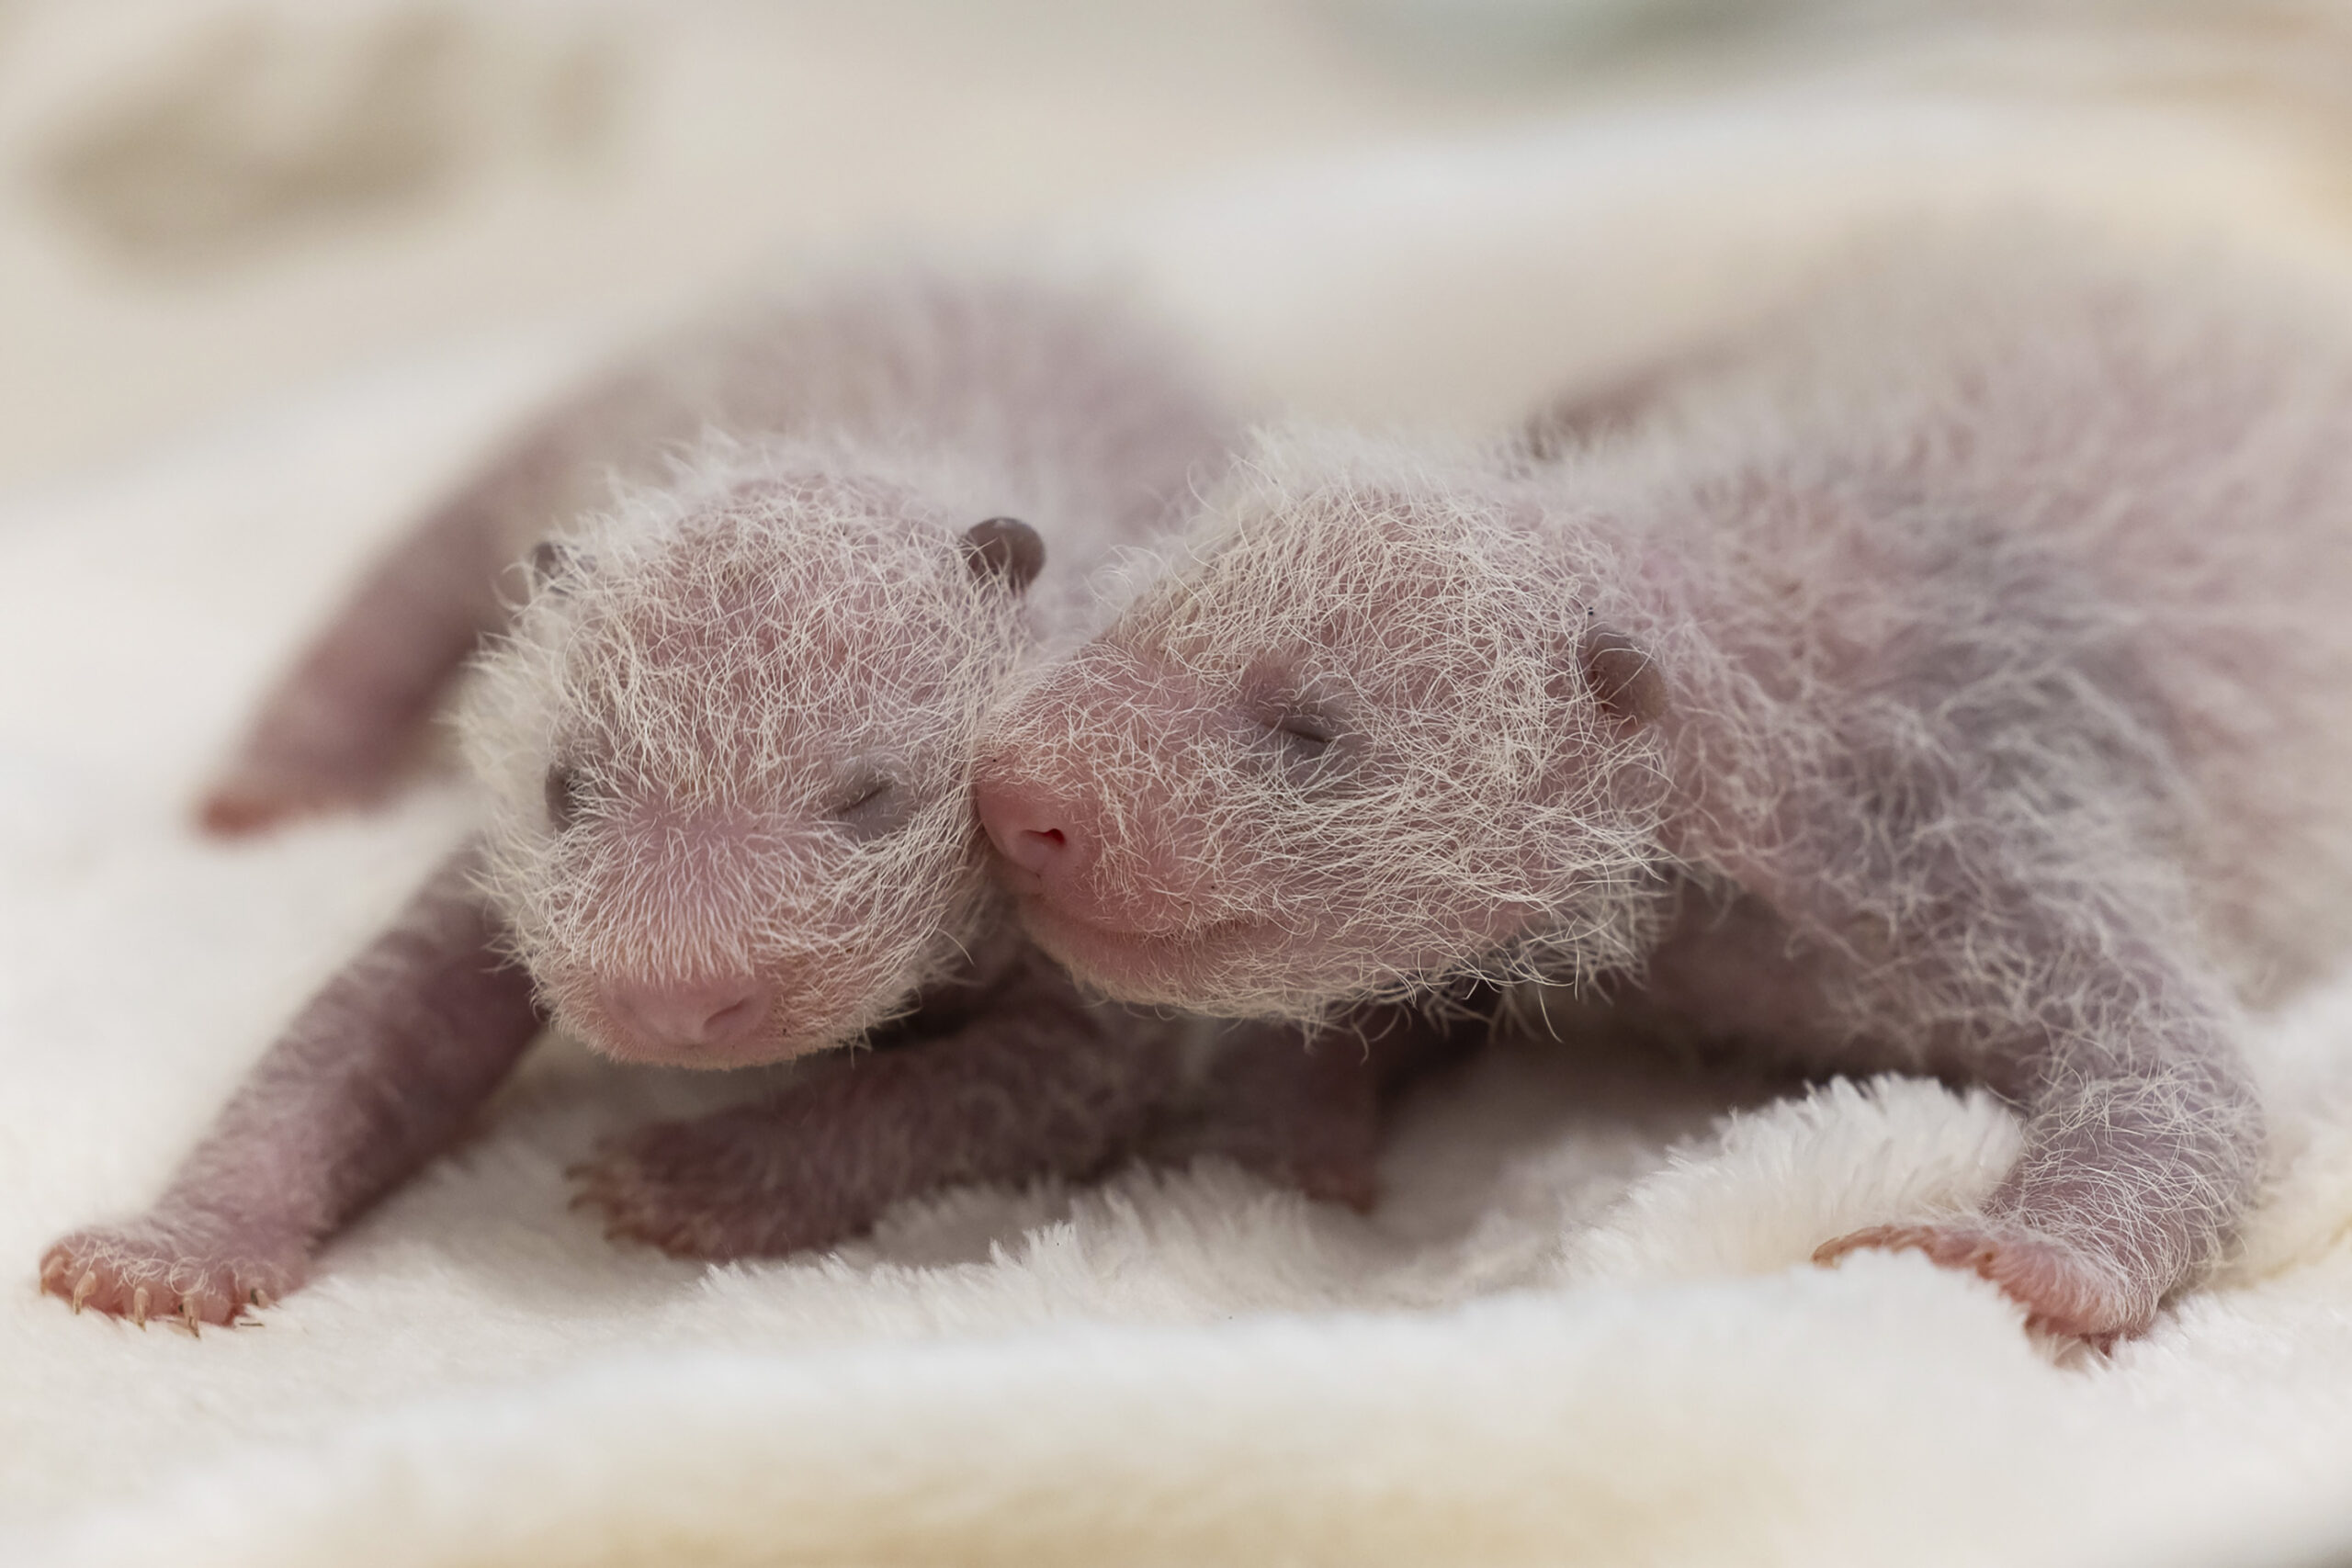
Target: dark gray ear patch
1623,675
1005,547
555,564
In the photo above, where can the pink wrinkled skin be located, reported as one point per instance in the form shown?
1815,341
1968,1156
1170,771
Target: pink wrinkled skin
1949,674
728,735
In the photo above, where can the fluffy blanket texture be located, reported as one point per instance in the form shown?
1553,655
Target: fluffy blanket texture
1580,1328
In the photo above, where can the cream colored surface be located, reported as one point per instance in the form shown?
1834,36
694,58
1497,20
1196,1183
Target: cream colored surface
203,201
1580,1327
207,203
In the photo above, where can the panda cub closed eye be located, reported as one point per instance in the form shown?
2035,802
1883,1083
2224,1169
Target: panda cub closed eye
1303,725
870,804
1307,733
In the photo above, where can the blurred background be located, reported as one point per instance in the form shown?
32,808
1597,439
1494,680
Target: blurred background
208,205
272,272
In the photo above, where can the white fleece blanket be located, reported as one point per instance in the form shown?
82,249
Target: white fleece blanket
1580,1325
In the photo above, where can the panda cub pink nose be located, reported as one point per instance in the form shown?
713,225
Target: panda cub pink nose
1030,834
689,1015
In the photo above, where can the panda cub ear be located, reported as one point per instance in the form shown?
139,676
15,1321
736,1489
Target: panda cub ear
1005,549
556,565
1622,676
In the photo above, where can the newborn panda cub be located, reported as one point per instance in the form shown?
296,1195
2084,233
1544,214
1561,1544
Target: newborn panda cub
728,739
1950,674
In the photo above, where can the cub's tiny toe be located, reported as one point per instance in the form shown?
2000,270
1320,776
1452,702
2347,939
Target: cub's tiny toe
180,1273
225,815
722,1187
2065,1291
1951,1246
255,797
247,803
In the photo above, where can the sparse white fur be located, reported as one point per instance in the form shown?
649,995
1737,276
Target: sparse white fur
1997,592
2042,444
1497,805
723,658
710,665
